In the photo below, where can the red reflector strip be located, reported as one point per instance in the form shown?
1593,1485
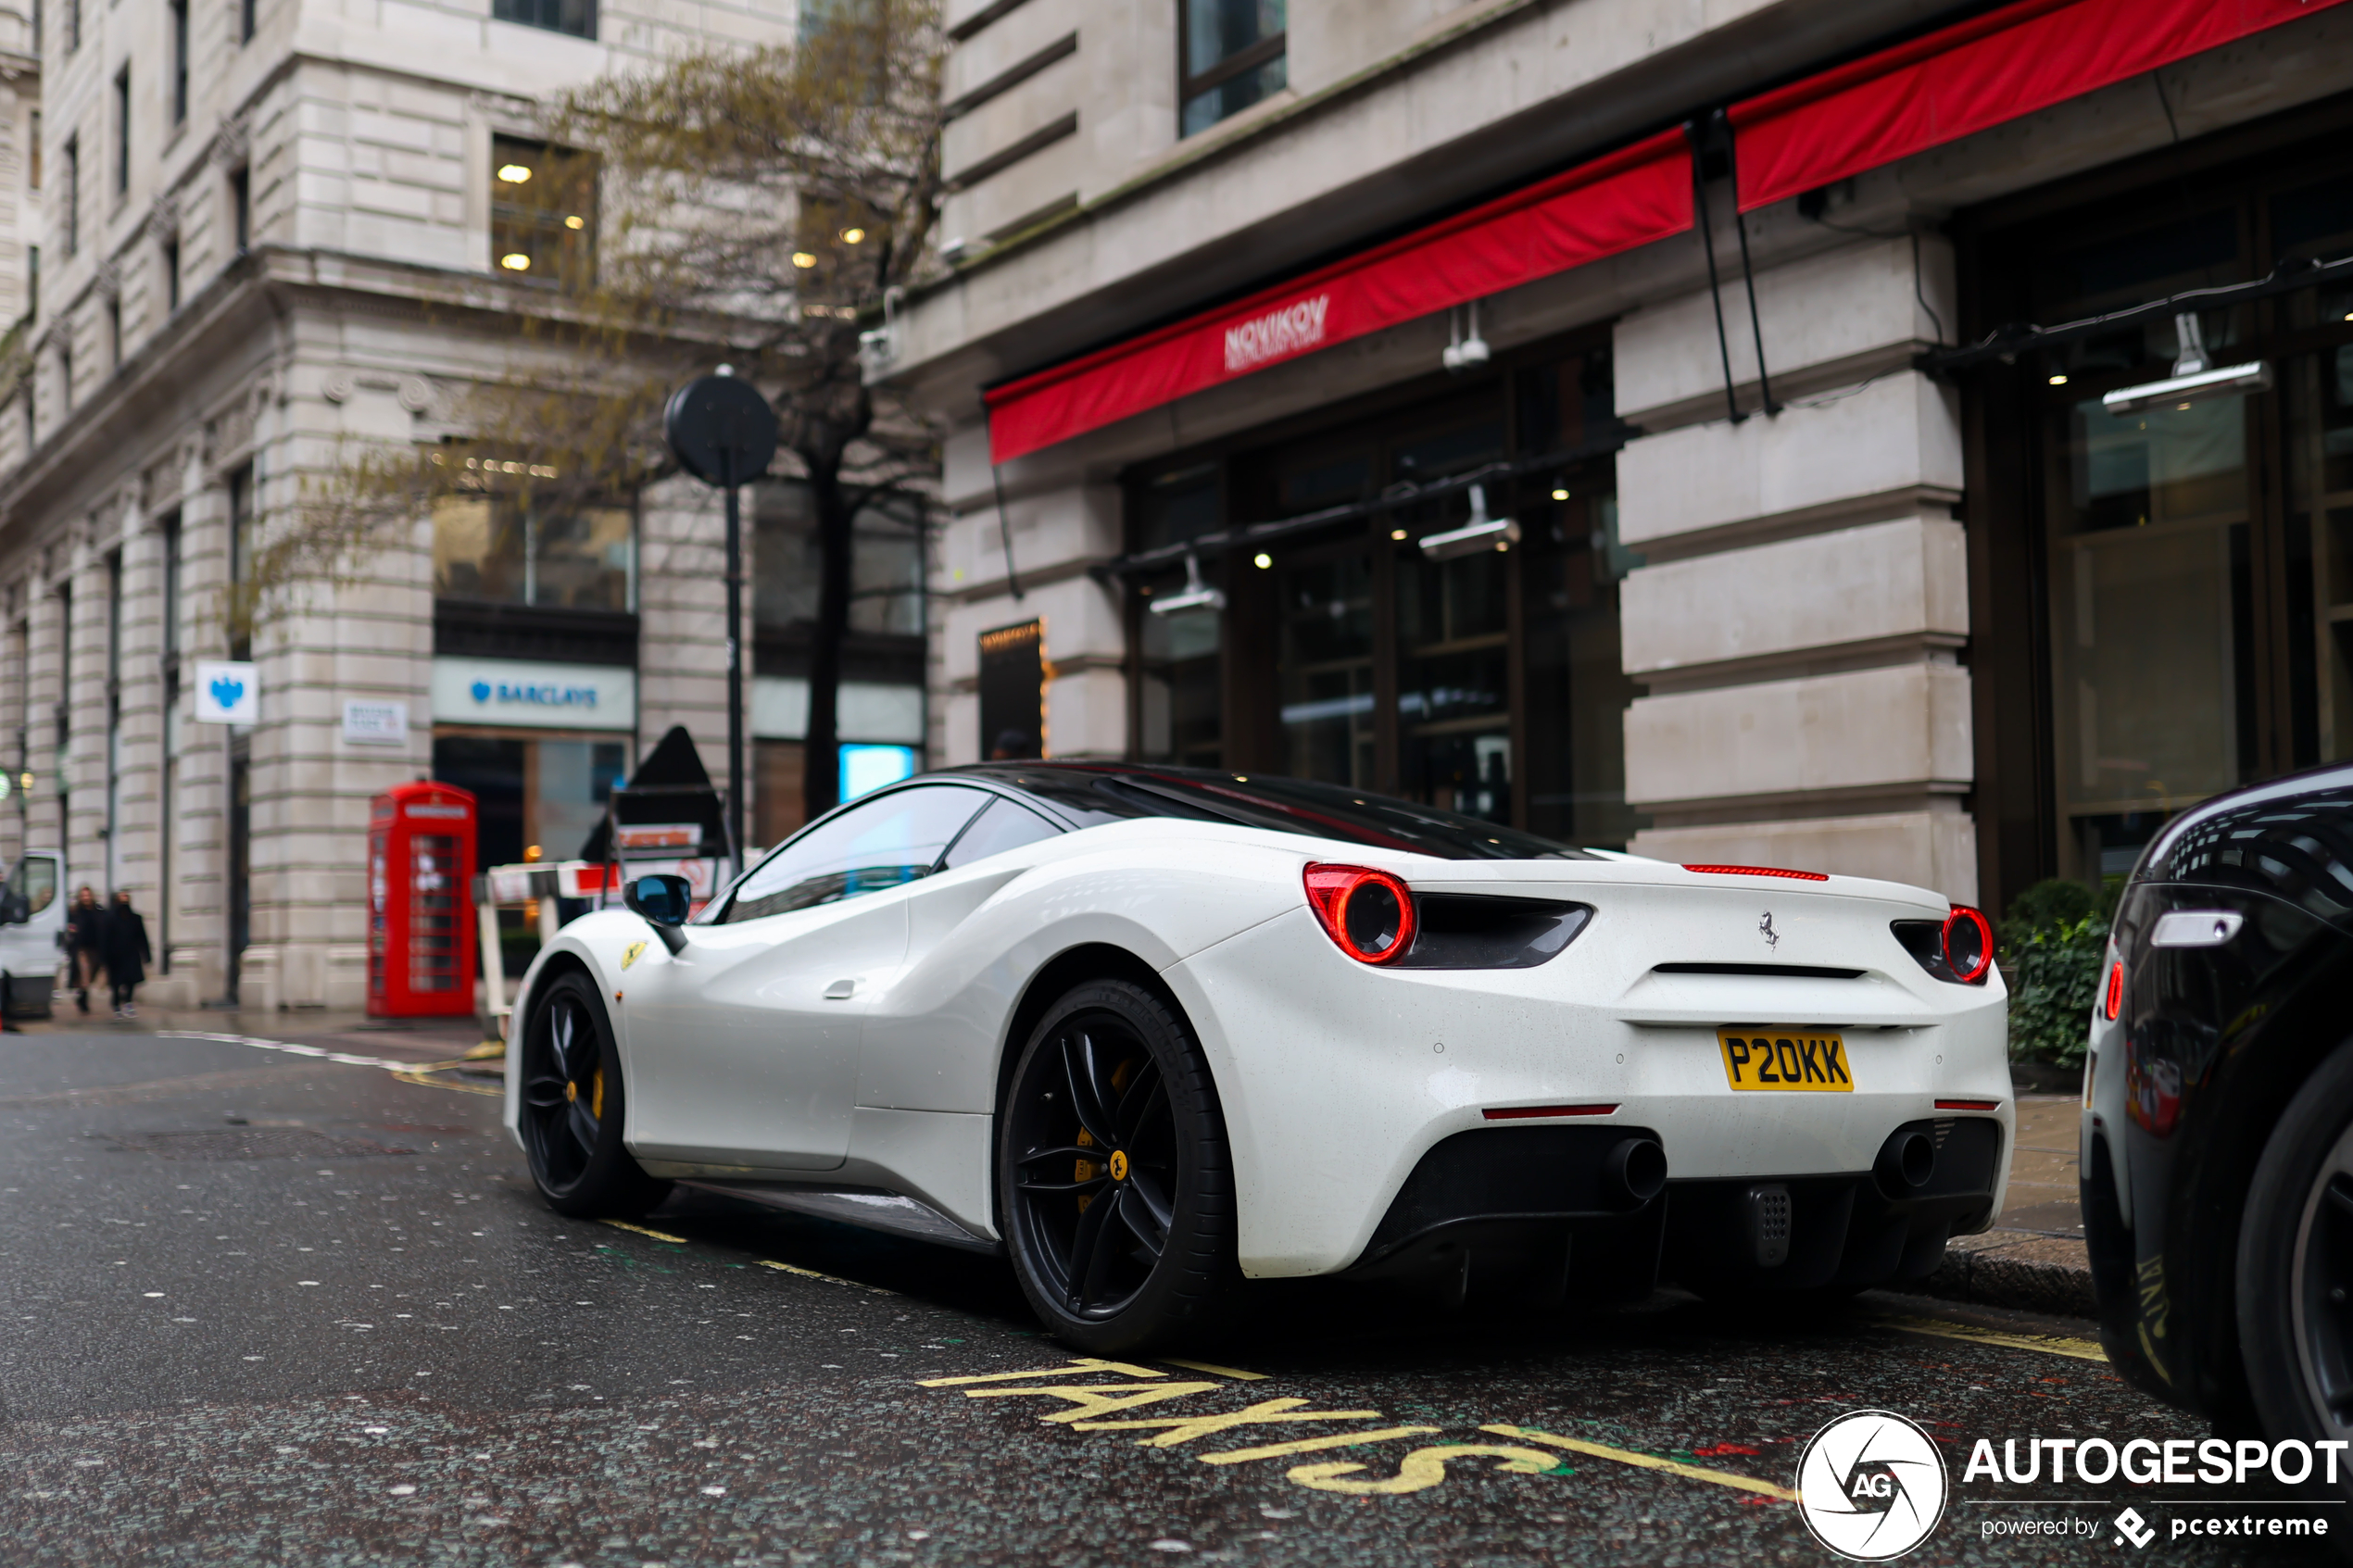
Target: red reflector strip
1516,1112
1969,1105
1759,871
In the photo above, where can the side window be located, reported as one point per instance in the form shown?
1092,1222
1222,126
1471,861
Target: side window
37,879
883,842
1003,826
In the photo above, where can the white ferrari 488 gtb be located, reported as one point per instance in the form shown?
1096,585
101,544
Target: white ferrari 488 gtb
1148,1030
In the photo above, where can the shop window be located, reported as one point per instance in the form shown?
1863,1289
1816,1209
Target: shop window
1231,56
575,17
543,214
1178,686
528,550
777,792
886,570
548,795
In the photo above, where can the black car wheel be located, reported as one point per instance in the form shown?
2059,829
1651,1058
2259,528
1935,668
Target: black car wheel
1114,1176
573,1106
2295,1263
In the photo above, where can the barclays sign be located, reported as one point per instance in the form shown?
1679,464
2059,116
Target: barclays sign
505,692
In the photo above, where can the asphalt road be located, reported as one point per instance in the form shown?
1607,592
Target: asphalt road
267,1307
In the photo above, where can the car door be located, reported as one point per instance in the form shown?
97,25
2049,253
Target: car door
744,1045
28,946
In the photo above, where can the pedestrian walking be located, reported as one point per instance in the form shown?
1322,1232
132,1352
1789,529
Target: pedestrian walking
127,953
85,940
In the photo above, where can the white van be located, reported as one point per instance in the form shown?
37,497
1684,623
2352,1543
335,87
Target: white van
33,912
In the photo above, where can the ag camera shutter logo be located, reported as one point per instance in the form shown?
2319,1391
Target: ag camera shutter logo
1871,1485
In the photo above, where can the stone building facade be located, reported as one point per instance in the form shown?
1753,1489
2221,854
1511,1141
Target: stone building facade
268,229
1857,608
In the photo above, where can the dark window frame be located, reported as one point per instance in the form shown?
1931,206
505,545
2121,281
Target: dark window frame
179,62
122,131
72,161
1241,62
548,16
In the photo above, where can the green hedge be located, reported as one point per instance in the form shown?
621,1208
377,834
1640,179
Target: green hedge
2053,947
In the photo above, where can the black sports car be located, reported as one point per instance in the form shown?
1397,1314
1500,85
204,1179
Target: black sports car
2218,1113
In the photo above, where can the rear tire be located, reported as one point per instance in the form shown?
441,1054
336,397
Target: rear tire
574,1107
1114,1176
2296,1264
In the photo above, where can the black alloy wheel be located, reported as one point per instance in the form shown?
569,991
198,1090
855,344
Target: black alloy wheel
572,1111
1114,1176
2296,1265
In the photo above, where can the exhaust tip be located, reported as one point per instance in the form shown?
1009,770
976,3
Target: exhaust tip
1636,1169
1906,1163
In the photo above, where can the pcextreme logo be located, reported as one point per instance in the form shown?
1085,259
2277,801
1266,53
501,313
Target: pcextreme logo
1871,1485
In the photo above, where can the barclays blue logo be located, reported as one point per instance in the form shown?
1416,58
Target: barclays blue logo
481,691
226,692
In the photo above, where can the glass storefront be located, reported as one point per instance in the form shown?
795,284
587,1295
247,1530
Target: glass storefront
2196,557
1487,683
548,792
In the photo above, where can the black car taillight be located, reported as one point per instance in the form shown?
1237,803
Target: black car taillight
1959,947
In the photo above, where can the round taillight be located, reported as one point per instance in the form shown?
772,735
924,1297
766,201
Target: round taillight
1369,914
1968,945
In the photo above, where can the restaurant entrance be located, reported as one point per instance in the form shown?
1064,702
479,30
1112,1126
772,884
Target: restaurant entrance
1486,681
2191,561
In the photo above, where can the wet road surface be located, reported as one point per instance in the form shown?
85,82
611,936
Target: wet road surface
266,1306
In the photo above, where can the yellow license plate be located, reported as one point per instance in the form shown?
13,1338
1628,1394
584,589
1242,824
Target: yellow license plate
1802,1059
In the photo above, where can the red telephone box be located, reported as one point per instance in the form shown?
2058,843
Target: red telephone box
420,931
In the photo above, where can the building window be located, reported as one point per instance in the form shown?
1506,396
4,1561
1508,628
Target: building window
245,19
172,587
32,280
122,131
886,557
73,195
241,209
114,334
171,273
542,213
528,550
73,25
1232,57
240,542
33,174
575,17
179,62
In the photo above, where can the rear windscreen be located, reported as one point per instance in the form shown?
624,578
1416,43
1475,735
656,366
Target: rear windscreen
1102,793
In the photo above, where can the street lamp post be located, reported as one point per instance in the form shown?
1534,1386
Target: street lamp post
722,431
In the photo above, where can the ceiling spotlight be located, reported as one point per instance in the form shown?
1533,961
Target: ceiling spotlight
803,259
1478,536
1560,495
2192,376
575,223
514,174
1397,534
2060,379
1194,594
1262,560
852,237
515,261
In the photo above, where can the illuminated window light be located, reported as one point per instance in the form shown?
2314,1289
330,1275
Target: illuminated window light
514,174
515,261
803,259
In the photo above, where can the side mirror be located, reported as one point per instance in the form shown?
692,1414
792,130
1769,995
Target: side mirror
14,910
662,902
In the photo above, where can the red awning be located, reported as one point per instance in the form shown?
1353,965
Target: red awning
1629,198
1973,77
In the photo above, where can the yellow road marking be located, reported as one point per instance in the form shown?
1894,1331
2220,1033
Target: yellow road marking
1646,1461
1217,1371
657,1235
2049,1344
1077,1363
1184,1429
1420,1470
829,1279
438,1083
1095,1399
1312,1445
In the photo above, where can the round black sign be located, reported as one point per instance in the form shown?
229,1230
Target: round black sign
722,430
